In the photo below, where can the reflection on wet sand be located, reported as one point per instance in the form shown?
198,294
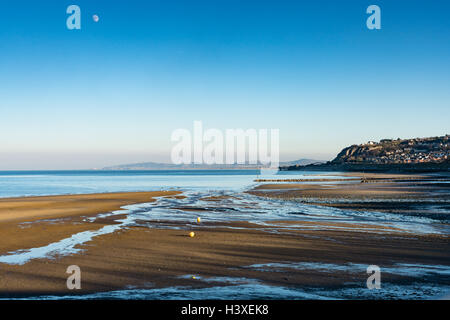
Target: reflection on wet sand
245,246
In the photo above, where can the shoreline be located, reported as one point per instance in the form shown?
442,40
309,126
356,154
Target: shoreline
159,258
406,168
30,222
361,187
160,254
405,194
58,206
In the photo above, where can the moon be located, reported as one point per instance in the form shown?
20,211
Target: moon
95,18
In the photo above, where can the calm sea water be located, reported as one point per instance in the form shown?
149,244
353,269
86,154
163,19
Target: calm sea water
35,183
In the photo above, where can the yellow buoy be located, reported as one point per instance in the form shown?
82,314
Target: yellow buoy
191,234
199,220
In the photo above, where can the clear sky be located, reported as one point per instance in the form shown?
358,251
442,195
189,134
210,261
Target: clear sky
114,91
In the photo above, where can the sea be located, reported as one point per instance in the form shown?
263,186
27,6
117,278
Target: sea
238,206
38,183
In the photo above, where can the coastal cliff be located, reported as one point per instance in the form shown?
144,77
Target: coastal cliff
400,155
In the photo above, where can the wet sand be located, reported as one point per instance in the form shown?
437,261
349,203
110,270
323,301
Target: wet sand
156,257
382,192
45,207
31,222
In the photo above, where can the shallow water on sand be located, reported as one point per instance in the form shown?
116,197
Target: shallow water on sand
423,286
36,183
270,215
243,288
229,204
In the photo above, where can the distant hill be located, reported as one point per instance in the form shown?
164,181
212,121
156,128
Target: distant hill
301,162
388,151
412,155
169,166
143,166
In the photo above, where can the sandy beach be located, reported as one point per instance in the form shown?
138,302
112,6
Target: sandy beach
401,193
160,254
36,221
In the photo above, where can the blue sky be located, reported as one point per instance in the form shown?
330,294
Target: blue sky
114,91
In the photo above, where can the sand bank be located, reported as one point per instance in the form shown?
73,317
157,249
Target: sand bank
158,257
153,258
30,222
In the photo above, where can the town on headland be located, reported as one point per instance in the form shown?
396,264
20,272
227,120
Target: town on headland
418,155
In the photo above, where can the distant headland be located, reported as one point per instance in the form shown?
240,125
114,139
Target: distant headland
399,155
170,166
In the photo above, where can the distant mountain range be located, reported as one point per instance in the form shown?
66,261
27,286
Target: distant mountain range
169,166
